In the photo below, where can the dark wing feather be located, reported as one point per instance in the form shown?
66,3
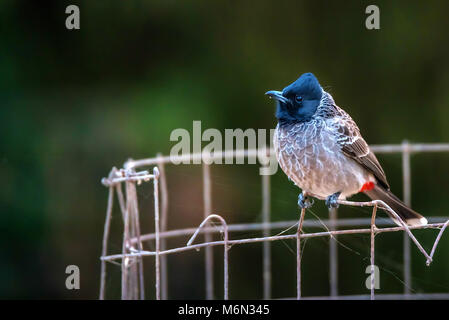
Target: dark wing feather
360,152
353,145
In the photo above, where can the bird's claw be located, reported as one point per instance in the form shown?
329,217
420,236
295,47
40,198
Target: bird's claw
332,200
304,202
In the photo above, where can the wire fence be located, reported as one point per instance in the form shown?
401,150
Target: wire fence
131,257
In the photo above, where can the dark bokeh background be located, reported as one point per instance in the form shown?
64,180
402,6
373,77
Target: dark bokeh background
75,103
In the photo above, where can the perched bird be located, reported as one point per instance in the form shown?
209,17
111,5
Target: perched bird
321,150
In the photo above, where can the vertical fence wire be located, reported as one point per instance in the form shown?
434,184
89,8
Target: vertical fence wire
104,251
373,234
266,204
209,258
133,282
140,287
156,231
333,254
406,185
121,200
299,255
125,261
164,218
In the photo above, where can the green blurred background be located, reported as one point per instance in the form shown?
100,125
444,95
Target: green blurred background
76,103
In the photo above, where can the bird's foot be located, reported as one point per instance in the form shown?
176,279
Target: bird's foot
332,200
304,202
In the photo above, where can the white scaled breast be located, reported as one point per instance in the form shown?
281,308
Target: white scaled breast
308,152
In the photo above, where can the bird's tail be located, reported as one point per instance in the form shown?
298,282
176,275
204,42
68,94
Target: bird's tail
410,217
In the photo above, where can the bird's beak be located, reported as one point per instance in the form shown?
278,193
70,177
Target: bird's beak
277,95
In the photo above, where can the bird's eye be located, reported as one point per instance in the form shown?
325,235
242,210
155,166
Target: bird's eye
298,99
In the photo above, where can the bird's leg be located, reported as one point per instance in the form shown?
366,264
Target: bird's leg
304,202
331,201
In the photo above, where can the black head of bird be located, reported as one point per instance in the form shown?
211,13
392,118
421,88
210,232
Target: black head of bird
298,101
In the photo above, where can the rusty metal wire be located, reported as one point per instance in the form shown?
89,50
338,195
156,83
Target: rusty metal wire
225,245
132,253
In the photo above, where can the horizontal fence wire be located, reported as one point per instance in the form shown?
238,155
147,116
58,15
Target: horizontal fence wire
438,226
132,254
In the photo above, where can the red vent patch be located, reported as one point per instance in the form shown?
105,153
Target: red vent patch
367,186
